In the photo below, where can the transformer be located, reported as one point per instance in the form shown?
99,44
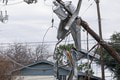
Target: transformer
61,12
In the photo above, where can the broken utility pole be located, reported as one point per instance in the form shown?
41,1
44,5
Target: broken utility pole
104,44
70,21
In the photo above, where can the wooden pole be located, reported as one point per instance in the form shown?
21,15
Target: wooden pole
100,34
105,45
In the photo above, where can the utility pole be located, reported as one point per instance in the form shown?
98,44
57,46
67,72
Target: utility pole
100,34
89,65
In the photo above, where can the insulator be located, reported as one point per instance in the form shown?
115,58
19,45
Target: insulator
5,1
3,18
30,1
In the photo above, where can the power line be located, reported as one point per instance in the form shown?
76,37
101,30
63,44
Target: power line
87,8
50,42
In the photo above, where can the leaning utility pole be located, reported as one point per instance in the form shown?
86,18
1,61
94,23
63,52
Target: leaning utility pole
67,24
100,34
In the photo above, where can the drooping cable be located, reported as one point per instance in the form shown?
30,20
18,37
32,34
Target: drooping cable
52,26
55,56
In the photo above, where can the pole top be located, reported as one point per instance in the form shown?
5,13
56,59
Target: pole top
97,1
58,0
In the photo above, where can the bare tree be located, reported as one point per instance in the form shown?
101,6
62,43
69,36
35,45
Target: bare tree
22,54
5,68
41,52
19,53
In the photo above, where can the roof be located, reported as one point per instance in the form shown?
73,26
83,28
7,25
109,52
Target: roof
52,64
93,77
31,66
42,61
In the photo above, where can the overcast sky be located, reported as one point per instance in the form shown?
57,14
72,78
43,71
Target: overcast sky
28,23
